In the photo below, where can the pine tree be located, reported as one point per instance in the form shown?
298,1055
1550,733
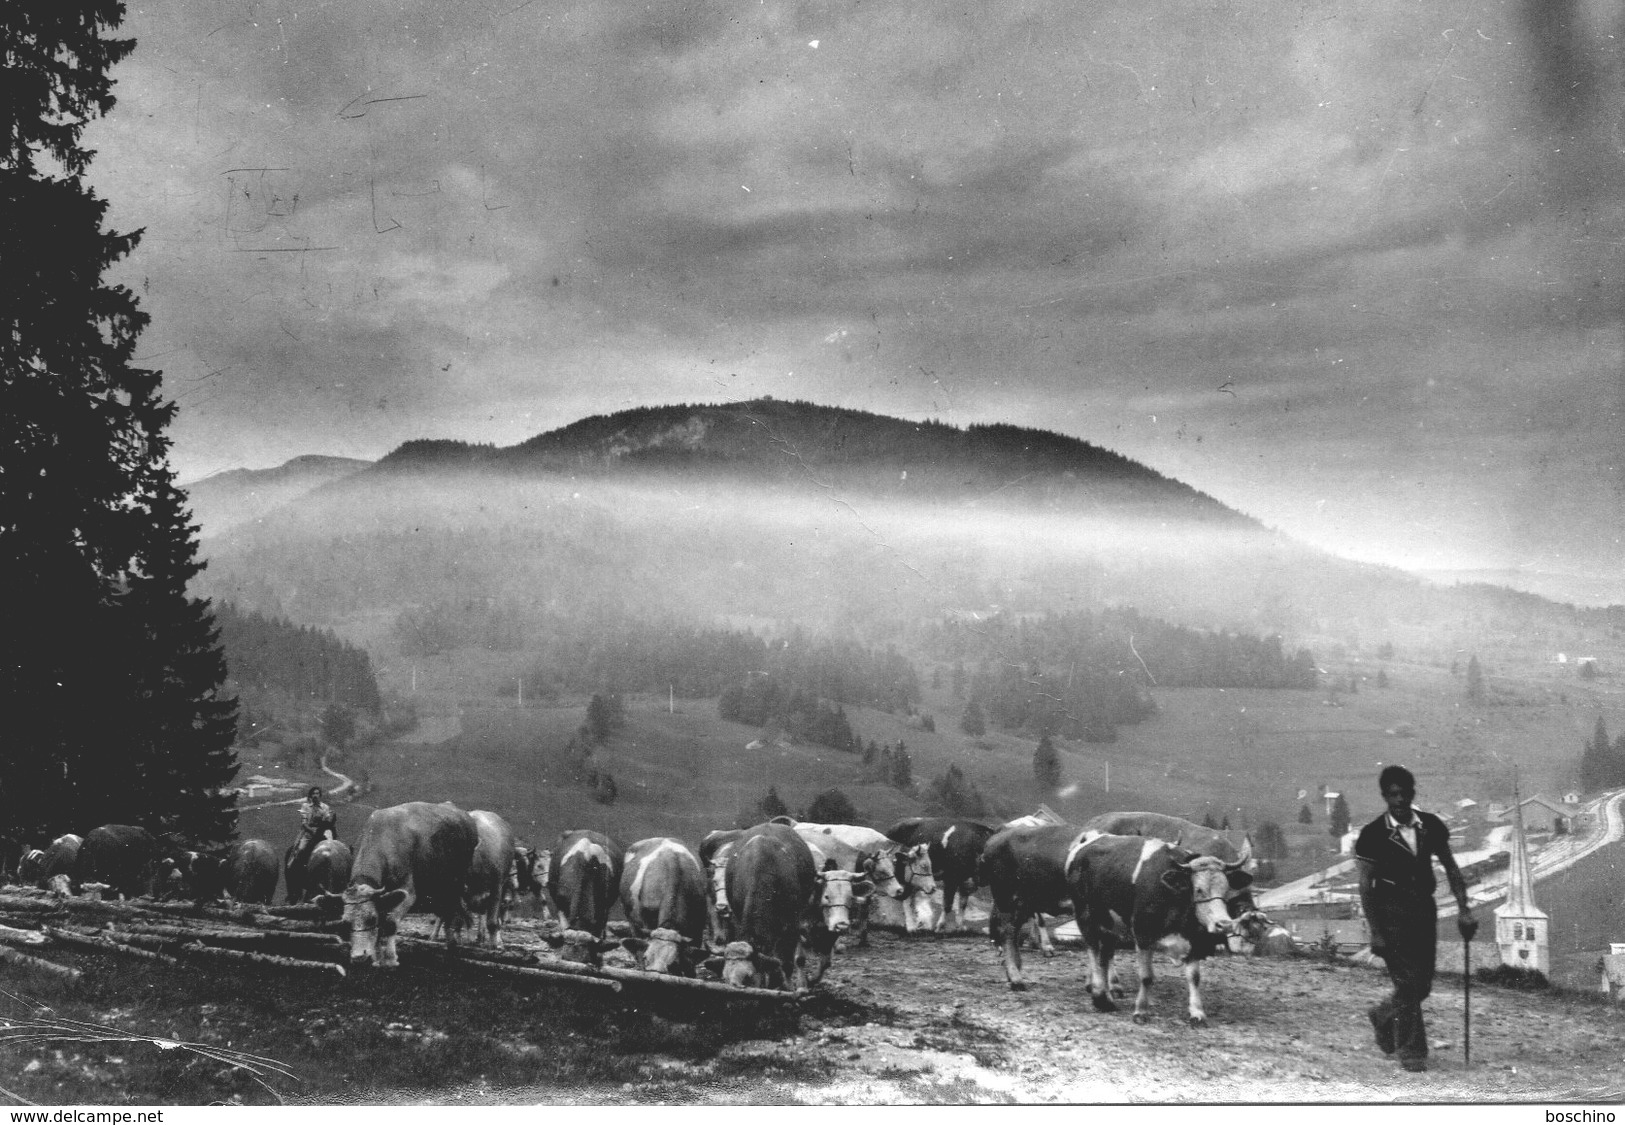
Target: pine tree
1340,817
184,727
772,805
98,644
902,768
1046,764
972,722
1305,816
1475,679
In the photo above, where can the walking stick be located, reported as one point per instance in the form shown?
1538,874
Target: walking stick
1466,1002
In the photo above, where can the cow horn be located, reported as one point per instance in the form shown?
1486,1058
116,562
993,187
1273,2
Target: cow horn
1246,855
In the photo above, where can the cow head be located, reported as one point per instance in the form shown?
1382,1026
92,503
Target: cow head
1211,882
582,947
838,892
744,967
881,870
718,871
913,866
666,951
32,865
370,913
523,877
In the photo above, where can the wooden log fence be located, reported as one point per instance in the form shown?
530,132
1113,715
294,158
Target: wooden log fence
170,931
105,943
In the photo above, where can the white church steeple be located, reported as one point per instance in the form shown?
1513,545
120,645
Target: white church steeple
1522,929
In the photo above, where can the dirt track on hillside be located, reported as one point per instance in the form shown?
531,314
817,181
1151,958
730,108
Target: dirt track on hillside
919,1019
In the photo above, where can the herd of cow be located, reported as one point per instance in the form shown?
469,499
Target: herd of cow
761,907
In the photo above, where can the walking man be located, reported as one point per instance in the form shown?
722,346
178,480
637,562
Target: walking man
1395,854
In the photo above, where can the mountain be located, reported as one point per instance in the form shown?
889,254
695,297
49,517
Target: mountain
226,499
837,449
788,513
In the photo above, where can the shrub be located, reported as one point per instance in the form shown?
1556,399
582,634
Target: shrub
1514,977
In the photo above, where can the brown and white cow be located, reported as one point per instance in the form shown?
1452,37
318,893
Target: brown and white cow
900,873
415,854
1251,923
327,871
1025,868
1136,890
955,847
582,880
875,869
485,887
249,871
527,878
714,851
663,892
772,889
52,866
123,857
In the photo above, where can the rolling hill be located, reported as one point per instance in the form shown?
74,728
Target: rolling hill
777,517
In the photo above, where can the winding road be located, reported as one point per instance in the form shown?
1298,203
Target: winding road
1604,826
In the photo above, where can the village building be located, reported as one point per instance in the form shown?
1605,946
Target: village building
1542,814
1522,929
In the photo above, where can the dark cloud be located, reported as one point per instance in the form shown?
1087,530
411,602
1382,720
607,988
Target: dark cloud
401,219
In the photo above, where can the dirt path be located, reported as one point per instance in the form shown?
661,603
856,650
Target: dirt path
914,1020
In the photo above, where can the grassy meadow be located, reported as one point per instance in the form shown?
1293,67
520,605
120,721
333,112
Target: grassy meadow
1241,755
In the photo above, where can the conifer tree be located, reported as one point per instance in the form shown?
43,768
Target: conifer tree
1340,817
1475,679
116,669
1046,764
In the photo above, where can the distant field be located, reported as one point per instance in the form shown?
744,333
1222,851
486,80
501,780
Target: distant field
1241,755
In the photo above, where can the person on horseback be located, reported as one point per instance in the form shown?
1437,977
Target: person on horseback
318,822
318,818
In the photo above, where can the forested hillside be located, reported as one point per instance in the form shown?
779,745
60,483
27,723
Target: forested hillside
270,657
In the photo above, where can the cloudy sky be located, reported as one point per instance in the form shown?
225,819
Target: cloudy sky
1351,268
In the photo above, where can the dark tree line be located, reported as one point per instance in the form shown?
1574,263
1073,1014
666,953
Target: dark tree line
271,654
1602,764
110,673
762,700
1122,642
621,653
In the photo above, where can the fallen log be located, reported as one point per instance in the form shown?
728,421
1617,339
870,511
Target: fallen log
195,948
714,987
42,903
94,942
540,974
215,935
11,956
424,949
198,949
22,937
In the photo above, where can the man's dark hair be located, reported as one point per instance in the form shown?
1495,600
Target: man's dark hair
1396,775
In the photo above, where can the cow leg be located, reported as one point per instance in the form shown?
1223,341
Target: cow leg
1006,926
493,928
1101,948
387,957
1142,1001
1193,978
860,922
822,942
1041,936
